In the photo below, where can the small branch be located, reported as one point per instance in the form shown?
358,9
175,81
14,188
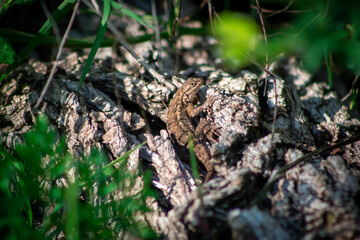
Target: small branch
175,35
277,174
58,55
175,24
157,33
281,10
352,88
210,9
52,22
275,12
127,47
259,10
19,37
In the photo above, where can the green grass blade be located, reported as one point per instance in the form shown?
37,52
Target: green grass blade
72,214
193,160
170,22
118,160
353,98
4,5
328,67
98,40
131,14
19,37
125,156
28,211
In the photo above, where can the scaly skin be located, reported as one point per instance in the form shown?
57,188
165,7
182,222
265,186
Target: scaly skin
179,126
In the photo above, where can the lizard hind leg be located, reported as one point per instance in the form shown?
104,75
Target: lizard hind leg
204,130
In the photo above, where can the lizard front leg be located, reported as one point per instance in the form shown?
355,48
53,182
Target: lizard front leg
193,112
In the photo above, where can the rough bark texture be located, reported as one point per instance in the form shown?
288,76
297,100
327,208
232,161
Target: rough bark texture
316,199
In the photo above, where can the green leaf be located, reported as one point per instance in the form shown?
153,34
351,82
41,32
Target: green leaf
24,1
131,14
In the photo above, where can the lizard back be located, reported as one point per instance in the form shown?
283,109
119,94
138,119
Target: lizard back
179,121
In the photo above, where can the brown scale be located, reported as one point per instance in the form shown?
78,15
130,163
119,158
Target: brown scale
180,127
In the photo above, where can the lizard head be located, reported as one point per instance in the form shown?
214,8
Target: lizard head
191,87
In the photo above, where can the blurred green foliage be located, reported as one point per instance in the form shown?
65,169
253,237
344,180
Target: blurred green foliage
321,33
239,35
7,53
319,27
46,193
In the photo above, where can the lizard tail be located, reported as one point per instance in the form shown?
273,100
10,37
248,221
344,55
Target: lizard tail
204,156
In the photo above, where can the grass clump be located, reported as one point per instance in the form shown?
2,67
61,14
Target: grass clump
46,193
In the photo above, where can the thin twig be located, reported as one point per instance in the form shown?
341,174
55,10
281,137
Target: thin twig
123,42
253,61
52,22
279,173
351,89
175,23
281,10
275,109
175,35
259,11
286,8
95,4
58,55
127,47
308,24
157,33
210,9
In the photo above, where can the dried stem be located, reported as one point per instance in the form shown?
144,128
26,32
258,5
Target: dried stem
58,55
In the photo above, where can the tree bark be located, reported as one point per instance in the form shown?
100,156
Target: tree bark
318,198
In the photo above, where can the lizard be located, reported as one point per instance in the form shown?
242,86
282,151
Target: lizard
179,125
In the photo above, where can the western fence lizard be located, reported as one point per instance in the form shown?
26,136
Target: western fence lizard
180,127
